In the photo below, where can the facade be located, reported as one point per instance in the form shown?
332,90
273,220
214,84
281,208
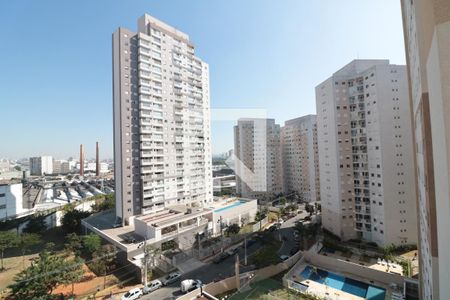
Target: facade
300,155
181,224
11,203
41,165
61,166
258,158
162,146
366,153
426,25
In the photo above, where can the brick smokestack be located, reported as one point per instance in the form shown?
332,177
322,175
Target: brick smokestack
81,161
97,160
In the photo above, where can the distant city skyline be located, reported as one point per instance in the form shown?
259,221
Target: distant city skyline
273,62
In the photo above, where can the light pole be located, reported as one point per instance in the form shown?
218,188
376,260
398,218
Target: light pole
245,250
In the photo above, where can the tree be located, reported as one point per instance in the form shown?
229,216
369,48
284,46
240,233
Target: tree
150,253
232,229
104,203
103,261
45,273
73,243
71,221
8,239
261,214
36,224
309,208
74,271
92,243
282,201
25,241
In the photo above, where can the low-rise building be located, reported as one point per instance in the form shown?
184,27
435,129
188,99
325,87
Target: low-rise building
41,165
11,203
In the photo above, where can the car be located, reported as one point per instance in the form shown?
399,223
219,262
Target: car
152,286
130,239
232,252
294,250
273,227
171,278
249,243
284,257
188,285
219,258
132,294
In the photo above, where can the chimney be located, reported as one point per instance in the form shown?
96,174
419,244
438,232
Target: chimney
81,161
97,160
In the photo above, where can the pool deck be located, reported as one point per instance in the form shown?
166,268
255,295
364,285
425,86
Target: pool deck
324,291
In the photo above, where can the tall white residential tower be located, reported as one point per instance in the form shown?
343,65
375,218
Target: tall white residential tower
300,158
365,153
258,158
161,104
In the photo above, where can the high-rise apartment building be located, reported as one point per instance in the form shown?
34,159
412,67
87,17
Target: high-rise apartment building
426,25
162,147
41,165
300,155
365,153
258,158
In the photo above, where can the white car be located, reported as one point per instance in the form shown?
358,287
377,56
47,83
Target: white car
284,257
152,286
171,278
132,294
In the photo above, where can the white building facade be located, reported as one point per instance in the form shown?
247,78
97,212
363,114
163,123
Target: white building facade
257,158
162,146
365,153
11,203
300,155
41,165
426,25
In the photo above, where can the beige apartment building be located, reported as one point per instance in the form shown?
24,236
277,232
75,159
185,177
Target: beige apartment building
367,185
300,155
161,104
258,158
426,25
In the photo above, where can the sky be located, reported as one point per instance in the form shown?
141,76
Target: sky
55,61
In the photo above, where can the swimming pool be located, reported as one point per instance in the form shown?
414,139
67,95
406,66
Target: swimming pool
344,284
237,203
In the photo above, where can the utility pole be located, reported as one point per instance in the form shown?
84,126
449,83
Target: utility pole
245,250
236,270
145,262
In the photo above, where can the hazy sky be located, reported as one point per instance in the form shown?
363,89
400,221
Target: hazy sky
55,60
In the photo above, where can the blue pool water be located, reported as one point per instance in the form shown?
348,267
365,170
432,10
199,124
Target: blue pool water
237,203
344,284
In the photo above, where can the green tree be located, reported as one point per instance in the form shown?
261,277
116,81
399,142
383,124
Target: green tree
103,261
260,214
74,271
282,201
309,208
45,273
8,239
150,252
232,229
36,224
104,203
73,243
25,241
71,221
92,243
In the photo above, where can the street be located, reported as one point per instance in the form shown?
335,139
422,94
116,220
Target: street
224,269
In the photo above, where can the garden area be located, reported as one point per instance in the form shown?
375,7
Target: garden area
40,263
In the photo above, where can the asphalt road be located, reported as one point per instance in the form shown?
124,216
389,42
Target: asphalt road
211,271
206,274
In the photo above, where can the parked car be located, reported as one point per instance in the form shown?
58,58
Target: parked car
249,243
171,278
284,257
188,285
152,286
294,250
219,258
132,294
232,252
